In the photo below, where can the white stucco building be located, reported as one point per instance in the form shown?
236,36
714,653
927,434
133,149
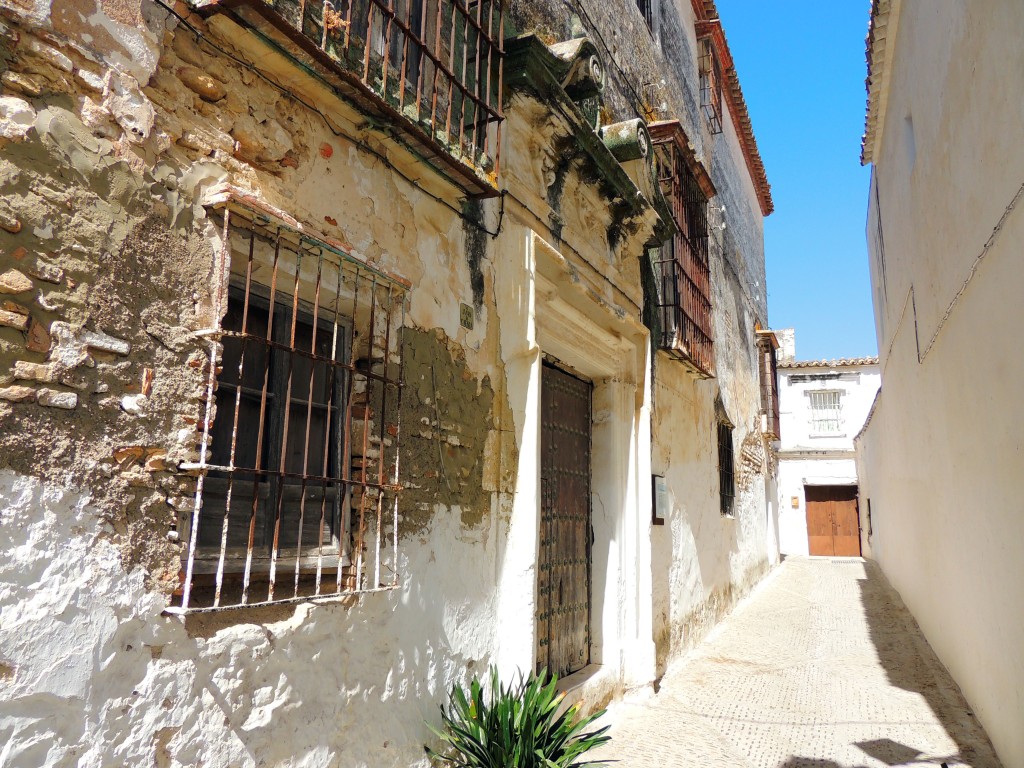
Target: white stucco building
822,406
942,455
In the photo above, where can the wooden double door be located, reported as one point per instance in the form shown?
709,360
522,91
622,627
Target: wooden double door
564,556
833,520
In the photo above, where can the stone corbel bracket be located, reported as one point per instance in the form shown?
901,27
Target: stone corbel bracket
564,77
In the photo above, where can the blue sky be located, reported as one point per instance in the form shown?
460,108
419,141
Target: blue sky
802,75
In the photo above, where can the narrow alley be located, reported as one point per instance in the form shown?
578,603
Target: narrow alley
822,667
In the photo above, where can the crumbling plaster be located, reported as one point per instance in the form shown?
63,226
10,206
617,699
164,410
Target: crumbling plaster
107,230
115,113
219,690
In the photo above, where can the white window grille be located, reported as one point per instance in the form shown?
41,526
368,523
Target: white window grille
826,412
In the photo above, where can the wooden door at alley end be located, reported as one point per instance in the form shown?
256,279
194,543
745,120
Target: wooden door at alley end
564,557
833,521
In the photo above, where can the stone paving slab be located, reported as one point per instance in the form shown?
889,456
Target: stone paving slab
822,667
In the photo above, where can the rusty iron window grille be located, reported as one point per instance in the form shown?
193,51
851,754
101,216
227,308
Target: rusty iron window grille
710,84
434,63
297,483
726,470
683,266
826,412
769,375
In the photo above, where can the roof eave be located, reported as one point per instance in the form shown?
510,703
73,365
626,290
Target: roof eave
878,52
708,22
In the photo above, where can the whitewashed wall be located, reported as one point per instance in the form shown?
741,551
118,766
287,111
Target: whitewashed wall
806,458
942,457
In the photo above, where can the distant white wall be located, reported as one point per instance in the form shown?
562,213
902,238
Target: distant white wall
808,457
794,474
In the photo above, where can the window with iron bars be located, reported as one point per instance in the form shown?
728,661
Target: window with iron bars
297,484
769,376
726,468
435,64
710,84
682,265
826,412
647,9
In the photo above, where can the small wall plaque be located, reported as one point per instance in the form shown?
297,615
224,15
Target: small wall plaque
466,316
661,499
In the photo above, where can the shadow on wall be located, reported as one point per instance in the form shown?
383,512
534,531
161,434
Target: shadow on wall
917,669
383,690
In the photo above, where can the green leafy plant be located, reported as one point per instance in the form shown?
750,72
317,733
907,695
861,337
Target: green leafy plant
517,726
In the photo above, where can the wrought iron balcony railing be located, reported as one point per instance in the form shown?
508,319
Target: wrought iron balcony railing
769,377
682,265
428,71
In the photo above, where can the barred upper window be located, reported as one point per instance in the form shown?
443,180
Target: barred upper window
769,379
298,487
682,265
710,84
726,468
826,412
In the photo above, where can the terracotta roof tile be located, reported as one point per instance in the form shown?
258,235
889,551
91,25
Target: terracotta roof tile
838,363
708,20
877,51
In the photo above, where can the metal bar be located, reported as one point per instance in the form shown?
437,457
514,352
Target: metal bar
386,22
376,557
366,435
420,57
405,59
309,356
450,72
368,43
211,383
383,424
286,407
462,80
246,579
398,445
323,599
433,87
487,88
309,417
501,75
348,27
332,386
346,456
234,424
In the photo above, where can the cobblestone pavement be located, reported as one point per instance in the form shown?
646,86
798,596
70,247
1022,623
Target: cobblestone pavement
822,667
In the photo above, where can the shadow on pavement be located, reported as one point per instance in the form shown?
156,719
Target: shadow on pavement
912,665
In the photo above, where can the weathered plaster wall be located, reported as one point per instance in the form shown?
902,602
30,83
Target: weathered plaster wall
107,261
701,563
113,122
95,675
941,456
